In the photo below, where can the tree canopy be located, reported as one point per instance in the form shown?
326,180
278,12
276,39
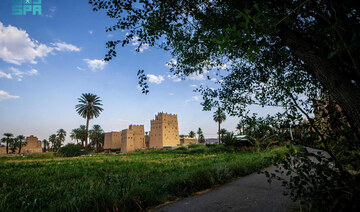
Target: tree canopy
272,51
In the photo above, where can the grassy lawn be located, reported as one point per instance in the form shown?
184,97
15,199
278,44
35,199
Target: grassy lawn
129,182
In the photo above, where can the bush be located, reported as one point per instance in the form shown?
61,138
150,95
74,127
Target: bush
70,150
317,183
191,146
198,150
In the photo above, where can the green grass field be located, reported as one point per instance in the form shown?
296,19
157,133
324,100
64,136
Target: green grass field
130,182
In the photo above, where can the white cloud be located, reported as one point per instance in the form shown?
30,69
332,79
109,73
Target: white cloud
171,94
110,35
155,79
3,74
193,86
91,32
135,42
174,78
20,74
171,62
196,76
63,47
4,95
17,47
95,64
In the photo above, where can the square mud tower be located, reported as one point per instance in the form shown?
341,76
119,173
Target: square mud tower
112,141
164,131
132,139
33,145
139,136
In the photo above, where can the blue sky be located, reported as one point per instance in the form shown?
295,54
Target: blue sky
47,61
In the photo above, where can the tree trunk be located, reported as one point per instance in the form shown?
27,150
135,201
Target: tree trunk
87,133
19,148
337,82
219,133
7,146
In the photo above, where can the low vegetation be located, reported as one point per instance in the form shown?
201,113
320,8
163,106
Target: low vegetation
129,182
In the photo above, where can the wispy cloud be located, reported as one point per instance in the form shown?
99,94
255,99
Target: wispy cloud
95,64
4,95
51,13
62,46
171,94
193,86
5,75
79,68
155,79
110,35
174,78
193,99
20,74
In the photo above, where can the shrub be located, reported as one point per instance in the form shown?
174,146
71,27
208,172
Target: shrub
70,150
191,146
317,183
198,150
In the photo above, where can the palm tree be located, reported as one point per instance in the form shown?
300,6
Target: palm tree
240,127
73,135
219,116
8,140
81,134
88,108
61,134
222,133
20,141
45,144
191,134
52,140
97,136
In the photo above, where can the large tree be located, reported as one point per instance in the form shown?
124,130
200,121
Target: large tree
219,117
89,108
289,45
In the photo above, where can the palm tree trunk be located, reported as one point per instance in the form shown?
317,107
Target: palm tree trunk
19,148
219,132
87,133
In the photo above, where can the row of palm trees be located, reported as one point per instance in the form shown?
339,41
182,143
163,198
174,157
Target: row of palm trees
96,136
13,142
56,140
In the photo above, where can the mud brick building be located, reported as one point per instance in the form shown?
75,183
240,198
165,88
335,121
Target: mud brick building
164,131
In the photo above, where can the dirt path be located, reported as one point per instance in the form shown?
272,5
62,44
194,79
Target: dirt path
249,193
